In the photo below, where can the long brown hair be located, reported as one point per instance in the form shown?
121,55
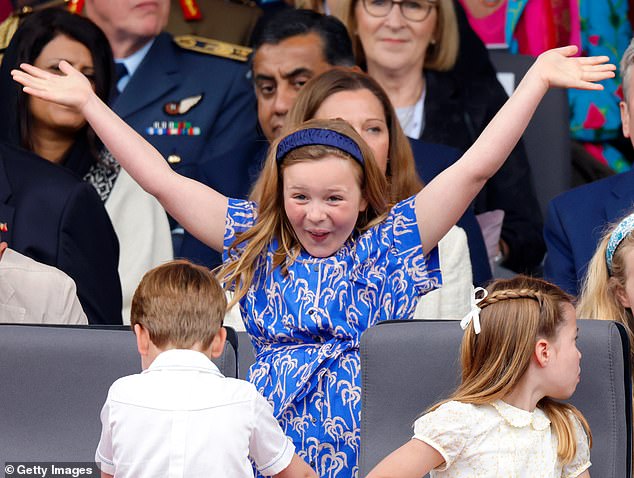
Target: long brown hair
515,314
403,180
272,222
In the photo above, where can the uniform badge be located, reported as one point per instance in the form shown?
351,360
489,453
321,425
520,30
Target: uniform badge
175,108
172,128
4,227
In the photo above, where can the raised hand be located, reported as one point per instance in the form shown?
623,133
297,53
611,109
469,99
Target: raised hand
558,68
71,89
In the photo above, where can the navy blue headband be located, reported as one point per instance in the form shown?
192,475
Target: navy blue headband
314,136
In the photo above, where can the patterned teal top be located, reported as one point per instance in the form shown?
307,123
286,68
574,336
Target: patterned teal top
306,327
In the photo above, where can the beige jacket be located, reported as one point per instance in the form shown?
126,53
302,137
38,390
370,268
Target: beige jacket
34,293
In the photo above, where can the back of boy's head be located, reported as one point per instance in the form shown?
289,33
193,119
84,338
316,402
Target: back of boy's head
180,304
515,314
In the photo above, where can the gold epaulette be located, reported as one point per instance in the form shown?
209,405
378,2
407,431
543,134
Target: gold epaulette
213,47
7,29
10,25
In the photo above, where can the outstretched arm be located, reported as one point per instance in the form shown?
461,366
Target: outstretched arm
198,208
456,187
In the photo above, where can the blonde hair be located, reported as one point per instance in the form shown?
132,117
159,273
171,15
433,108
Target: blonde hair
403,180
515,314
599,291
180,304
441,55
272,223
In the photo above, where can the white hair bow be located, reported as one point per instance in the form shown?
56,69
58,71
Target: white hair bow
474,313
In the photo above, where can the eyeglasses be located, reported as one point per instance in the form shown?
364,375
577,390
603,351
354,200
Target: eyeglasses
413,10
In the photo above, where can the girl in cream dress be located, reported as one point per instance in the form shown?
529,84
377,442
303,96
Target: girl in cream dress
518,354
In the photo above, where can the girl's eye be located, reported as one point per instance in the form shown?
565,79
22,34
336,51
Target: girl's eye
335,198
299,197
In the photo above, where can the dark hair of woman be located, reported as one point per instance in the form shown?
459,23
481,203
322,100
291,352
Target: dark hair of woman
33,34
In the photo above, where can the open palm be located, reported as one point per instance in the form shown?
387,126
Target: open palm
70,89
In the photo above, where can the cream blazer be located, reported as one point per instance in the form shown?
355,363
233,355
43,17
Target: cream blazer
34,293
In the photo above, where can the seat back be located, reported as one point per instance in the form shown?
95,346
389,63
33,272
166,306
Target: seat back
547,137
54,381
407,366
246,354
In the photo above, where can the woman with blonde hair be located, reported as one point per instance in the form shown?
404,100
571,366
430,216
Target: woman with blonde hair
411,49
518,356
608,287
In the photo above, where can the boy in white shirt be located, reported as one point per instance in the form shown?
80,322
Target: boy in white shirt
181,416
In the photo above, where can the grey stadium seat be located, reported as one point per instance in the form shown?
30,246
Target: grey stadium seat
407,366
54,381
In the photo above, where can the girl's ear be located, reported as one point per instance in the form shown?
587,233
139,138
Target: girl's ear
619,292
363,204
542,352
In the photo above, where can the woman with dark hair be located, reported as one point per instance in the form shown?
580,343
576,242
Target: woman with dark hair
53,133
62,136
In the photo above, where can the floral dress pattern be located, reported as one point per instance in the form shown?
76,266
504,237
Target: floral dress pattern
306,327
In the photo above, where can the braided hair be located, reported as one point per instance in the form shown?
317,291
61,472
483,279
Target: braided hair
514,315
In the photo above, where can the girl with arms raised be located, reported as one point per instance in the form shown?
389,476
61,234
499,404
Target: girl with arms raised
321,259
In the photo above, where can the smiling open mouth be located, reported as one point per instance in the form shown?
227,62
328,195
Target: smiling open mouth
318,236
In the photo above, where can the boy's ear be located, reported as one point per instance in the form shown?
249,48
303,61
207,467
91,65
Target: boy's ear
218,343
142,340
542,352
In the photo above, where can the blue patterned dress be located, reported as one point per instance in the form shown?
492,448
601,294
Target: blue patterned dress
306,327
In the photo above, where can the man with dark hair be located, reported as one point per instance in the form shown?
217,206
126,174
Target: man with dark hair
291,48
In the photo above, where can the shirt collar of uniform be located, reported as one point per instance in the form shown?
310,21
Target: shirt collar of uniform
133,61
183,359
518,418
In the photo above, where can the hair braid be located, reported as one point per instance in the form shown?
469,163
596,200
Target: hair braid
501,295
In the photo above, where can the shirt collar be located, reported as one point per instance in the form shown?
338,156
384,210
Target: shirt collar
133,61
183,359
518,418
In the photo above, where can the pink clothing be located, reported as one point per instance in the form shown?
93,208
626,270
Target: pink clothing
490,29
530,27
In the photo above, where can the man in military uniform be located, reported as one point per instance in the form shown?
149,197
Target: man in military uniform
190,98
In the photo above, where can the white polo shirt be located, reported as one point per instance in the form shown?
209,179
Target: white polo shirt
182,418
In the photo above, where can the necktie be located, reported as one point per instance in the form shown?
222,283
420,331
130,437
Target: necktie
120,71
